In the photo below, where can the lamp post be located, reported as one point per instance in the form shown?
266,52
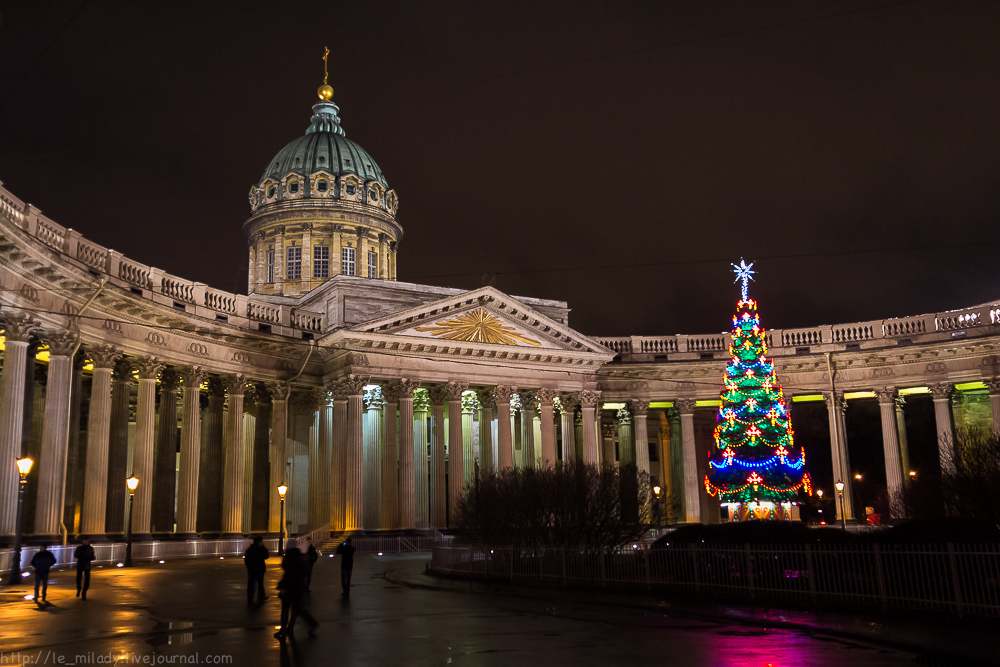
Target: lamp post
132,482
656,505
282,490
843,514
819,494
23,468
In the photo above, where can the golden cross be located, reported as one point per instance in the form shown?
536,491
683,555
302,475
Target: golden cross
325,54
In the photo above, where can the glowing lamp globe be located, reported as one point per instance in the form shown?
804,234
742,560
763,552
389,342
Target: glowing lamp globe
24,466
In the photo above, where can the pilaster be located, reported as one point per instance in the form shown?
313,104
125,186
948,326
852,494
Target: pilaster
505,445
692,503
545,399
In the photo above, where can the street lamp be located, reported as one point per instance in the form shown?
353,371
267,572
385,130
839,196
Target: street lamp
843,514
656,504
23,468
132,482
282,490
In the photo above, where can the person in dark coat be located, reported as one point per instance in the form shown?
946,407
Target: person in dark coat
84,556
292,588
254,558
346,552
312,555
42,562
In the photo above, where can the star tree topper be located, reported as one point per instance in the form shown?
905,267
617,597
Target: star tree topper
745,273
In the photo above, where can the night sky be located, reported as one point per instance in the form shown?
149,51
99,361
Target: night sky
615,155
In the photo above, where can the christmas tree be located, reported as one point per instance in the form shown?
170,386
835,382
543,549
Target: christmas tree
755,466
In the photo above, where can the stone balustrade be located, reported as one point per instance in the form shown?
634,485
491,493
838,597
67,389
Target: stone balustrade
155,284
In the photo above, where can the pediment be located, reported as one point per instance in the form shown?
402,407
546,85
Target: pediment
484,316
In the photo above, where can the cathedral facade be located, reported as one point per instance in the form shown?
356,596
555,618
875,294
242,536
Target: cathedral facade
376,401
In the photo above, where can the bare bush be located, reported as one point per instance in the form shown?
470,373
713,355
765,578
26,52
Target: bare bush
566,505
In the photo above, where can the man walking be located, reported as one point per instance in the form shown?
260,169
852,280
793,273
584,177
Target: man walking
254,558
292,587
42,562
346,552
312,555
84,556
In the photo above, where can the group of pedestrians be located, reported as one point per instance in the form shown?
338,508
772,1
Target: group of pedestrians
44,560
297,567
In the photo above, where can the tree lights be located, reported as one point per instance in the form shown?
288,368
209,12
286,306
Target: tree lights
755,464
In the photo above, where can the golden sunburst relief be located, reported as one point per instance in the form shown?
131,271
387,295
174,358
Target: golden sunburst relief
478,326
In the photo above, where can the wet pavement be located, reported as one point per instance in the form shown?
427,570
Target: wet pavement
195,613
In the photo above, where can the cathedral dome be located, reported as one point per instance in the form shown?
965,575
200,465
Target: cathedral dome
324,148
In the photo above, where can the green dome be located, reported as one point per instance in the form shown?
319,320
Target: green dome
324,148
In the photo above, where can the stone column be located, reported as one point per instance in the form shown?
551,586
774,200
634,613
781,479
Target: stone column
545,399
55,436
487,410
469,406
942,393
142,456
118,449
261,475
338,491
324,476
210,470
608,430
528,399
187,483
165,455
568,417
890,441
279,263
95,485
626,439
277,453
373,450
904,447
354,519
456,472
421,406
837,407
994,386
505,444
439,498
232,490
409,452
589,401
390,458
639,410
692,504
17,332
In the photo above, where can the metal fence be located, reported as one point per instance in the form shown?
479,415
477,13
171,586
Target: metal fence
398,544
961,579
113,553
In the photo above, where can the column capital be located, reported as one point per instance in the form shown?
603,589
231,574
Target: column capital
886,395
276,390
193,376
608,430
373,398
169,380
502,392
546,396
589,398
61,343
437,394
942,391
354,385
623,416
570,401
18,327
235,384
470,403
148,367
993,384
486,399
421,400
528,399
638,408
454,390
835,399
404,387
103,356
685,405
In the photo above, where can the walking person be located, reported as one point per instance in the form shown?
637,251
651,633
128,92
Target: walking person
254,558
346,552
312,555
42,562
292,587
84,555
